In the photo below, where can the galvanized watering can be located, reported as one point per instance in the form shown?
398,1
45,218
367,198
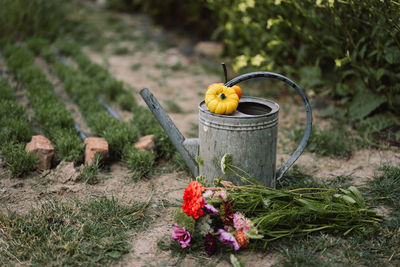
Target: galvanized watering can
249,136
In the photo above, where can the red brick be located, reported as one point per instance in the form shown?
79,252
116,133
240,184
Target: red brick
43,149
145,142
95,145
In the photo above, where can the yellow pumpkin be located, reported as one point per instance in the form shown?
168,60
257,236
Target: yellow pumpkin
221,99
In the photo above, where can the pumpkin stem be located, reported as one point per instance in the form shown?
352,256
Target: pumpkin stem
222,96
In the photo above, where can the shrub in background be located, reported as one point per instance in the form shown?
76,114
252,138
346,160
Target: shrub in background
192,15
349,50
20,19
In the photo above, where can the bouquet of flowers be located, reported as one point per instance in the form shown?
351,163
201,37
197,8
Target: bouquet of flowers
234,215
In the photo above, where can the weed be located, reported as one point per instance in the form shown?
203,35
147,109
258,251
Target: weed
121,51
294,178
89,233
136,66
90,171
173,107
139,162
17,160
178,163
334,142
386,188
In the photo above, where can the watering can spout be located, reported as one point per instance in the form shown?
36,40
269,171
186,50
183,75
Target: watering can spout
188,148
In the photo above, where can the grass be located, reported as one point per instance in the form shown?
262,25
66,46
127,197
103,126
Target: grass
16,159
371,248
50,112
94,232
173,107
385,186
90,172
334,142
143,120
15,132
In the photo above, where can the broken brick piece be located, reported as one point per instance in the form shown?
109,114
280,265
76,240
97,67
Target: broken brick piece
95,145
145,142
43,149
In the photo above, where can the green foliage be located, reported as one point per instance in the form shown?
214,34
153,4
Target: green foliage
94,232
50,112
15,131
90,171
16,159
140,163
333,142
14,124
385,186
346,49
183,220
177,14
20,19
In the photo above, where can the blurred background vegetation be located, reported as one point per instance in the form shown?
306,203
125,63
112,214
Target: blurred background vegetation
344,53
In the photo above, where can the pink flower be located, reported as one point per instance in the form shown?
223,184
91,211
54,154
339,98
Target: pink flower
240,222
226,237
181,235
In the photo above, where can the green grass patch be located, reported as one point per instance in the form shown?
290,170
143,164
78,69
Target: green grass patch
94,232
140,163
16,159
333,142
90,172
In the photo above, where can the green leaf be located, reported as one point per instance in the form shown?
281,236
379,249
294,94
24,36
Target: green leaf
379,73
392,54
310,76
114,254
253,235
363,103
357,196
376,123
236,262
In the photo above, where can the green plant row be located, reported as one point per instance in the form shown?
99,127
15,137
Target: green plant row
84,92
114,90
50,112
15,132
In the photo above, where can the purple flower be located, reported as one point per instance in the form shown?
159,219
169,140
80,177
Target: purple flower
181,235
209,208
210,243
226,237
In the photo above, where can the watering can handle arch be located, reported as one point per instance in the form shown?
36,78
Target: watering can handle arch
307,132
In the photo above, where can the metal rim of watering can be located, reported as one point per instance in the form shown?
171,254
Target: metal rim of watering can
299,150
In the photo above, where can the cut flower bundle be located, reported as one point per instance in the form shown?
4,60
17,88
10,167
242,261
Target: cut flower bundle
235,215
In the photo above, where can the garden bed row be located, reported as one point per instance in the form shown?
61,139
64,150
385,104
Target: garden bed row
15,132
84,85
114,90
51,113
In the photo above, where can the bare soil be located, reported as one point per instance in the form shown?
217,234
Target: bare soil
181,79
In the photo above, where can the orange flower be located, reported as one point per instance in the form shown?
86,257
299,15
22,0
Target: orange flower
193,201
241,238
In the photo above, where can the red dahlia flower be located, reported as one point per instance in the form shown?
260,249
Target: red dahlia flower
193,201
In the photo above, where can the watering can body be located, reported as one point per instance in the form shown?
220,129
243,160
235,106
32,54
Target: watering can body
248,137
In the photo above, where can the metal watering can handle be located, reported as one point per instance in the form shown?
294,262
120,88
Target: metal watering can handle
307,132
